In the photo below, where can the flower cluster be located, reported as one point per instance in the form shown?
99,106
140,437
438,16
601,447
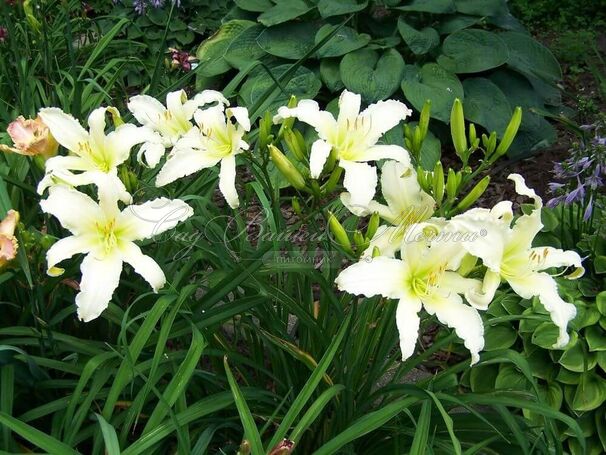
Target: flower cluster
102,230
451,267
579,177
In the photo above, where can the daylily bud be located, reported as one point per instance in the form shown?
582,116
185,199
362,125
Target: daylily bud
407,131
467,264
451,185
474,194
332,181
338,231
422,179
296,143
31,138
417,140
472,133
510,133
489,143
373,225
438,183
8,241
457,129
424,119
265,125
296,205
287,169
360,241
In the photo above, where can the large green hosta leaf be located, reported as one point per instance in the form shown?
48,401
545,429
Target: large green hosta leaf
245,49
284,11
345,40
486,105
429,6
373,75
473,51
329,8
211,52
304,84
432,82
529,56
419,41
291,41
481,7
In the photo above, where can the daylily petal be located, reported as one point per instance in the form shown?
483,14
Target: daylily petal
210,119
360,181
408,321
376,276
543,285
203,98
64,249
143,265
174,104
146,109
153,153
308,111
480,299
382,152
71,162
387,239
349,107
96,126
100,278
546,257
75,210
465,320
227,181
383,116
403,193
64,128
184,162
120,142
138,222
317,158
241,116
523,190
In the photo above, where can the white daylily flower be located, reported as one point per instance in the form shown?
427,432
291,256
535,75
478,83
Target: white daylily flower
171,122
508,254
423,277
216,139
106,236
353,137
94,155
407,204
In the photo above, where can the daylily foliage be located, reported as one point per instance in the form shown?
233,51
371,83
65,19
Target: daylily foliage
418,257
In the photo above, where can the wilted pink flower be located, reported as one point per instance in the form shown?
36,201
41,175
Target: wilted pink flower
30,137
8,241
181,59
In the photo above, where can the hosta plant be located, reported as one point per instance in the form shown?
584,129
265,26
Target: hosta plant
474,50
190,281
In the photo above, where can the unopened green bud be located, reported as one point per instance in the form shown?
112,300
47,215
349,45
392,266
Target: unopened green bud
265,125
457,129
467,264
451,185
373,225
417,140
128,178
296,205
424,119
360,241
474,194
472,133
407,131
287,169
438,183
491,144
333,180
510,133
422,178
408,144
46,241
339,233
296,143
